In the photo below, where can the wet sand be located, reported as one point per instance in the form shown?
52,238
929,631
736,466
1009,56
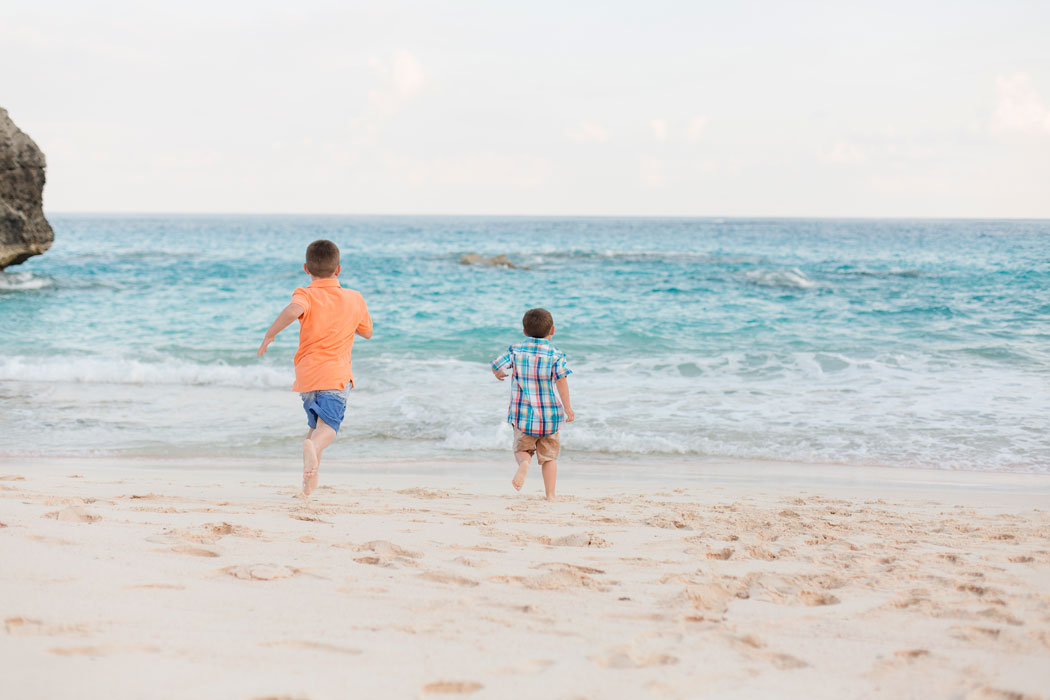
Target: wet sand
126,579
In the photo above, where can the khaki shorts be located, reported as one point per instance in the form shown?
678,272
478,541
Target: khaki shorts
545,447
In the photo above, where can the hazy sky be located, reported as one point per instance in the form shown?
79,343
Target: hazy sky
651,108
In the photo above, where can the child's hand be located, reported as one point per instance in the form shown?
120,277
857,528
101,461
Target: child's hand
265,343
569,415
499,374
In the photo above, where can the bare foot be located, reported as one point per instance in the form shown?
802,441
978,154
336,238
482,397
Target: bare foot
552,497
309,467
519,479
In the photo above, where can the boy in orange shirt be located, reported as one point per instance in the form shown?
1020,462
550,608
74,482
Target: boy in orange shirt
329,317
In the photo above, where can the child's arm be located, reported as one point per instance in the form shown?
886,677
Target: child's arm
290,313
562,385
502,363
364,329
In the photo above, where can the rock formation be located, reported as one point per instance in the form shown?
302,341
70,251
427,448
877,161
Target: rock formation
497,261
24,232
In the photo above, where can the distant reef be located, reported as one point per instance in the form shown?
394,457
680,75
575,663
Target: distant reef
24,232
497,261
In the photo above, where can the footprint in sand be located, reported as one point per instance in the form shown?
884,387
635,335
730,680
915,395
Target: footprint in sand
785,661
103,650
712,599
224,528
310,518
531,666
208,533
387,554
425,493
27,626
260,572
452,687
973,633
817,598
446,577
194,551
312,646
12,477
793,590
746,642
472,563
626,657
50,540
559,577
580,539
999,694
758,552
670,522
73,514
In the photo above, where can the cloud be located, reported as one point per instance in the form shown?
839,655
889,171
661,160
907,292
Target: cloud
652,172
589,132
1019,108
407,74
659,127
398,79
844,152
696,128
484,170
402,78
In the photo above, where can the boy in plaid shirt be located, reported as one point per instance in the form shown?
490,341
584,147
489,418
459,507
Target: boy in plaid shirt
538,368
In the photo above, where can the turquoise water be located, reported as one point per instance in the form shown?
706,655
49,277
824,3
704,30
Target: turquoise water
906,343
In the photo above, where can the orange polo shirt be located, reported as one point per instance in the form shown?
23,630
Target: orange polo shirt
330,318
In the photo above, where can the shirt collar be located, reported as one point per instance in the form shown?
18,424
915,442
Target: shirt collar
543,341
326,282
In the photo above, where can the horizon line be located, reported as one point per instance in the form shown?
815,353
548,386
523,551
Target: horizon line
705,217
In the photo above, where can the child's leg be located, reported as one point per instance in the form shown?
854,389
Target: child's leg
547,449
322,436
311,461
522,458
550,475
316,441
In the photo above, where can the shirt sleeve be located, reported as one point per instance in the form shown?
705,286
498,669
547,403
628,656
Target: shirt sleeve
561,370
504,361
300,297
365,326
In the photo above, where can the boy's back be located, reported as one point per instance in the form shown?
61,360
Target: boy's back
539,397
331,316
328,316
537,365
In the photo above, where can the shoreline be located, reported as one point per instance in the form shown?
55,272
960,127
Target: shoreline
128,578
643,471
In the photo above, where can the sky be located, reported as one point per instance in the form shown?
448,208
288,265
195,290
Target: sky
656,108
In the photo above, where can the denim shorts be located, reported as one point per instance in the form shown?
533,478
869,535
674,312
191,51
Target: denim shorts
327,404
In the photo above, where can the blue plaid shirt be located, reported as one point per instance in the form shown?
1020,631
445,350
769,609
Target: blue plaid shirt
534,405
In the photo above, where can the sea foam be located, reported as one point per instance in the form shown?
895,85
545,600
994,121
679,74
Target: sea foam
23,281
792,278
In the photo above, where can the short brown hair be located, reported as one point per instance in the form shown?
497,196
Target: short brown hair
322,258
537,323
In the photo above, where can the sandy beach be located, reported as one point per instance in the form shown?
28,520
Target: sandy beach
127,579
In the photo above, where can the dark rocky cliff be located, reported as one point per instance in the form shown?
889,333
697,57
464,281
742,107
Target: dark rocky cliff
24,231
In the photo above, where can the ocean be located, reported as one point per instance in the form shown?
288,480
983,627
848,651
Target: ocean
869,342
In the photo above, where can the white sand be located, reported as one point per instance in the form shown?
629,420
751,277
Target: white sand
121,579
